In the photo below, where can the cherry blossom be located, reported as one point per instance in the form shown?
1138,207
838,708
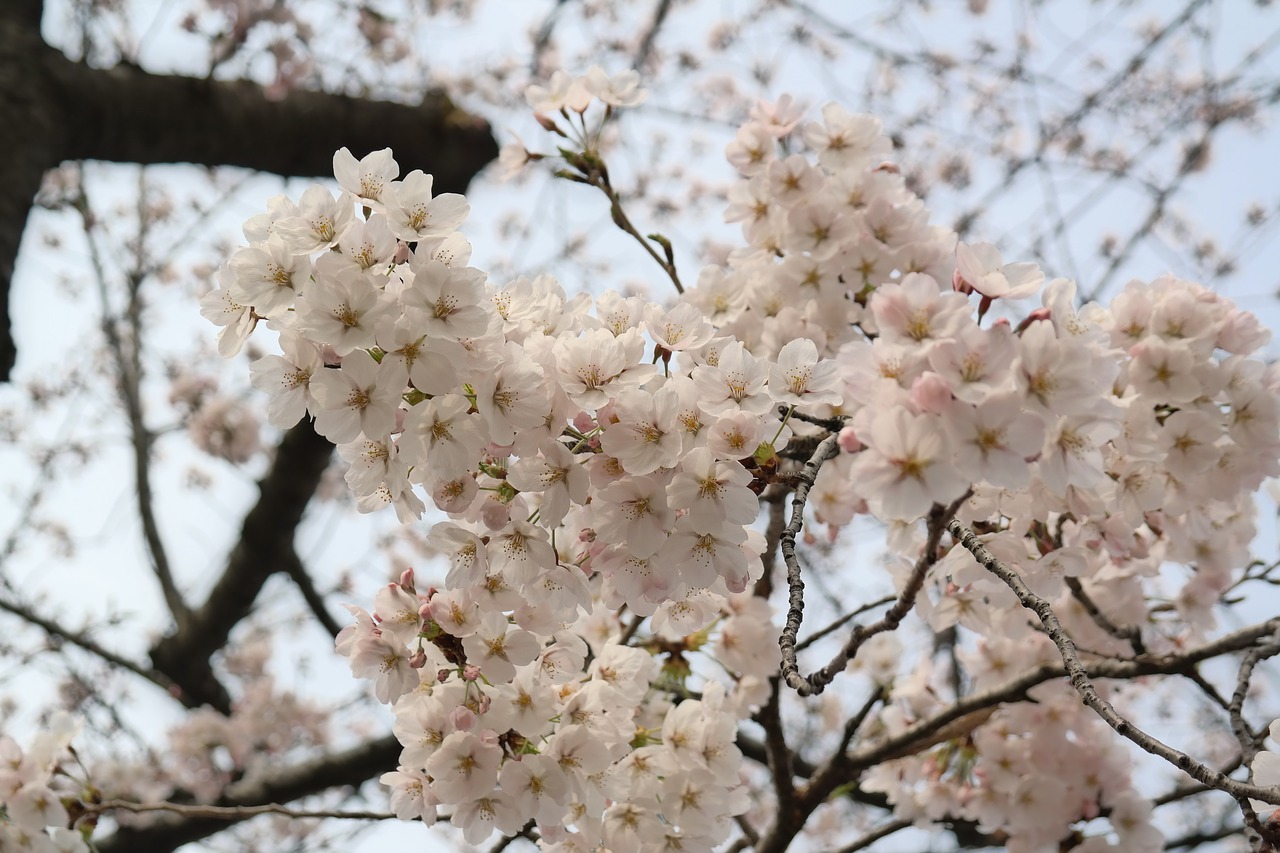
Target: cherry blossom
597,631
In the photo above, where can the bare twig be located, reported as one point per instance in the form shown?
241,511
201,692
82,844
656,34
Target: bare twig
855,722
817,682
84,641
595,174
650,37
1086,106
778,752
1130,633
1247,739
526,832
128,363
302,579
842,621
230,813
827,449
883,831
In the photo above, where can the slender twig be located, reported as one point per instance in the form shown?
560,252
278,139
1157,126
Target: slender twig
1130,633
875,835
234,813
925,733
1159,204
542,40
1193,675
128,368
302,579
855,722
1083,684
598,177
650,37
842,621
832,424
1087,105
827,449
1244,735
83,641
817,682
526,832
1198,839
630,630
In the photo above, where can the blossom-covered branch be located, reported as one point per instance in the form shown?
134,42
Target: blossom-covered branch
1083,684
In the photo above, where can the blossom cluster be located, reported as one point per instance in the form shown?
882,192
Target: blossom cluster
507,407
1098,443
607,454
32,812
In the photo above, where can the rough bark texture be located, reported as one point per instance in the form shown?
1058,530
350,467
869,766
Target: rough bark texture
53,109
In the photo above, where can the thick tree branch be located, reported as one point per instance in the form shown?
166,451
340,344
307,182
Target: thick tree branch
265,547
780,764
53,109
126,115
347,768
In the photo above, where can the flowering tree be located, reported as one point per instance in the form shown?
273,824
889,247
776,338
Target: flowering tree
626,494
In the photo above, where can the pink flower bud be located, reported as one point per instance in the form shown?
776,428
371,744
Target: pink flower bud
1037,314
462,718
418,659
959,284
470,672
848,440
406,580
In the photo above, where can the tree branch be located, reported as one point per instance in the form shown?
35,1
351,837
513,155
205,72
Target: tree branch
347,768
126,353
53,109
1083,684
265,546
817,682
82,640
231,813
302,580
